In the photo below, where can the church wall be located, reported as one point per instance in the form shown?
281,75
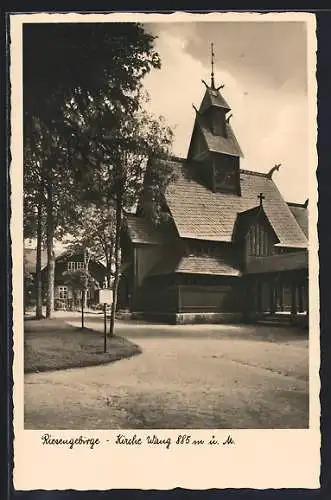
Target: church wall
145,257
166,297
208,298
157,300
214,298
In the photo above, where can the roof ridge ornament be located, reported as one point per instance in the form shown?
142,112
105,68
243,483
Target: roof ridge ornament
272,170
196,110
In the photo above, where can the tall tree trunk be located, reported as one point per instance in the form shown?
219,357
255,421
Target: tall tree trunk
50,252
117,257
108,270
39,298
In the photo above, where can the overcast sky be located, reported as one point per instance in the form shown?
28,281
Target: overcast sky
264,68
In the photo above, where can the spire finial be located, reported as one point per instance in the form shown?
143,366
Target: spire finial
212,65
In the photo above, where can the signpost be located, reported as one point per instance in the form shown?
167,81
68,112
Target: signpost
82,307
105,328
105,298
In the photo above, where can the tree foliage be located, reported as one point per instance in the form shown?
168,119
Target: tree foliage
87,138
94,232
75,75
83,62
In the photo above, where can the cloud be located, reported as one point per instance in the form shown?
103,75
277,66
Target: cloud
266,91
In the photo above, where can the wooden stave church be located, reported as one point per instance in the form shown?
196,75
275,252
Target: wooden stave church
232,249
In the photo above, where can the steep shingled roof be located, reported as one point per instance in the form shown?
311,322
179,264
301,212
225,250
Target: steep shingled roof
141,230
218,143
300,212
202,214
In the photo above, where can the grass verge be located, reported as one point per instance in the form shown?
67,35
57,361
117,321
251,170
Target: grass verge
54,345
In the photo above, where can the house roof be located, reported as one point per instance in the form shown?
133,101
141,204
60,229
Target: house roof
300,213
194,264
200,213
141,230
30,258
218,143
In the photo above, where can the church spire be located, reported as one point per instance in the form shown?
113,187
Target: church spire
212,66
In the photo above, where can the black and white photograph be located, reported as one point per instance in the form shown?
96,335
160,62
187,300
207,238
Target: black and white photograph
168,212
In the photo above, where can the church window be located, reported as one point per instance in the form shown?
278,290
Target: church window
259,243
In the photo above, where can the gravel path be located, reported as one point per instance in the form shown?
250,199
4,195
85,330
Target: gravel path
200,376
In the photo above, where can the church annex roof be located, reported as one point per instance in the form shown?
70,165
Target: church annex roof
200,213
194,264
141,230
284,262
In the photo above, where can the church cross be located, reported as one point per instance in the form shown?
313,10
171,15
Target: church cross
212,66
261,198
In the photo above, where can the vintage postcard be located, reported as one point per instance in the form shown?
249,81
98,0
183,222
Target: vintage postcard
165,251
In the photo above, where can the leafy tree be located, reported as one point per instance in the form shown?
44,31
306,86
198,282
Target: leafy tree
94,232
83,62
80,280
118,166
75,75
141,139
49,197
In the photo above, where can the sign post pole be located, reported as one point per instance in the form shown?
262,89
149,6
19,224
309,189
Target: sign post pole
83,298
104,327
105,298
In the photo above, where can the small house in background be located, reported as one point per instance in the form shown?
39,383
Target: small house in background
69,269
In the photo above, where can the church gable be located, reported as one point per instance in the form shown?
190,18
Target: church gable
254,233
260,237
